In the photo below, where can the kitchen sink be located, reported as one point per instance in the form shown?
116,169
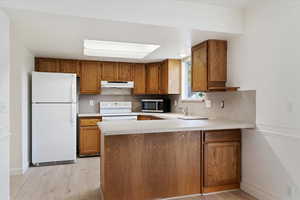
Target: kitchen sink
193,118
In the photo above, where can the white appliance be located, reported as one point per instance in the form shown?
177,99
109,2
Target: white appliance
117,110
54,112
117,84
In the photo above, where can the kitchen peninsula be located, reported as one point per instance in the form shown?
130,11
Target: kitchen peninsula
155,159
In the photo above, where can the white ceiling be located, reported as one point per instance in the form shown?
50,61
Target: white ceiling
49,35
224,3
174,13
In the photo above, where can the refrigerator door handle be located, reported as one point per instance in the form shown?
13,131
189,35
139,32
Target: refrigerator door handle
73,92
73,114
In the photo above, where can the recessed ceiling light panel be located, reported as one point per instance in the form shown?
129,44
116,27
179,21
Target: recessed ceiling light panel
117,49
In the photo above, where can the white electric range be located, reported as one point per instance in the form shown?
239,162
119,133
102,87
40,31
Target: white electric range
117,110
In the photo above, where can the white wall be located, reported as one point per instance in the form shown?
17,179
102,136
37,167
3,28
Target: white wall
266,58
22,63
4,106
174,13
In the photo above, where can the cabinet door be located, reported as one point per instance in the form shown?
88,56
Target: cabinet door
89,78
221,166
89,140
199,67
139,76
172,164
171,77
109,71
159,165
164,77
125,72
144,117
47,65
153,78
217,60
70,66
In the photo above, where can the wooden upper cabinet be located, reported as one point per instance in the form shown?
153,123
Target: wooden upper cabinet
217,60
171,77
222,160
139,78
109,71
209,66
47,65
153,78
153,81
125,72
199,67
89,77
70,66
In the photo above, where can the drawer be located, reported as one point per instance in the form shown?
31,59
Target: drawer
144,117
156,118
148,117
89,121
222,135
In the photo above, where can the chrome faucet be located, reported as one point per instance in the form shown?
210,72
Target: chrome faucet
186,111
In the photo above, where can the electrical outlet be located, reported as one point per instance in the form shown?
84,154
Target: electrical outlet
222,104
175,103
3,108
92,103
208,103
290,106
291,190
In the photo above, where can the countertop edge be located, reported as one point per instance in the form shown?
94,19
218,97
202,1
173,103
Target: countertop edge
210,127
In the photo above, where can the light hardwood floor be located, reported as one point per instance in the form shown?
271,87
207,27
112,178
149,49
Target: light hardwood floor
78,181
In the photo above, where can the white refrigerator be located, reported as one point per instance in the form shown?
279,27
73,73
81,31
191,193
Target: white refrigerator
54,113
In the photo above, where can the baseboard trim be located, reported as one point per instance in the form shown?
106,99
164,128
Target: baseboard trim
15,171
288,132
4,135
211,193
181,197
207,190
258,192
25,167
19,171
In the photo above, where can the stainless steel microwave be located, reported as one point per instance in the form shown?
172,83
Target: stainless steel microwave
156,105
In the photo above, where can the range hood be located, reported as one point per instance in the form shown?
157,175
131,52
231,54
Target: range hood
117,84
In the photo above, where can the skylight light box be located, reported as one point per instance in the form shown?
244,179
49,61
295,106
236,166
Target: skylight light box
117,49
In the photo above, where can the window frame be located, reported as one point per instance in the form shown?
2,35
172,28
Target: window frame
183,95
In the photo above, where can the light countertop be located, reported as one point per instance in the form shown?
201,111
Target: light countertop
168,125
161,115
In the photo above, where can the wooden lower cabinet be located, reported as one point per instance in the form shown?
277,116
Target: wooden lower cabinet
89,140
151,166
163,165
89,137
148,117
221,160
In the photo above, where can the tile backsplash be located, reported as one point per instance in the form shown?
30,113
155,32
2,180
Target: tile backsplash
111,95
239,105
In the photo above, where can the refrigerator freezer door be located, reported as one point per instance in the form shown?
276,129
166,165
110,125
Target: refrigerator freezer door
53,87
53,132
